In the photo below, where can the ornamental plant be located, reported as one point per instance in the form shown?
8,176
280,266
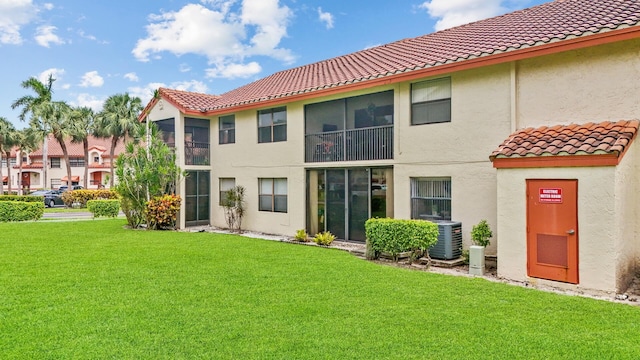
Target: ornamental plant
324,238
301,236
481,233
107,208
162,212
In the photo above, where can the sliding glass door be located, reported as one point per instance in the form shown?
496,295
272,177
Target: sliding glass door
341,200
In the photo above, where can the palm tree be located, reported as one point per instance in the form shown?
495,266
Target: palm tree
10,140
6,128
82,126
118,120
27,140
30,103
56,116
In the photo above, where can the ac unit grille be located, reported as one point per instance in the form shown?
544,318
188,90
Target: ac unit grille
449,245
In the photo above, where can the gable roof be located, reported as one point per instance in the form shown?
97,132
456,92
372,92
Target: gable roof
530,32
607,138
76,149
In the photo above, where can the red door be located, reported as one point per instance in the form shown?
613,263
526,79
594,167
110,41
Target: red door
552,230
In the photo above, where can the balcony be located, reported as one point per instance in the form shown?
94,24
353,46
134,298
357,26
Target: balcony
196,153
370,143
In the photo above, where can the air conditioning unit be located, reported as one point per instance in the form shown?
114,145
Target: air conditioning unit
449,245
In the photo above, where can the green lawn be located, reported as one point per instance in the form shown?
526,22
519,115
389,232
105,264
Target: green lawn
91,289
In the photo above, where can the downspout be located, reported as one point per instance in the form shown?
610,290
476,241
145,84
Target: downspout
514,96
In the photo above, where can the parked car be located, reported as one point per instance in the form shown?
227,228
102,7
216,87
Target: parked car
51,198
74,187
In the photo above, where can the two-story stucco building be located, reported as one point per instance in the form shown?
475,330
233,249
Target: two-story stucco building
32,176
441,127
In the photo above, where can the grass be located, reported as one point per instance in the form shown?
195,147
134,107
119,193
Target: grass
91,289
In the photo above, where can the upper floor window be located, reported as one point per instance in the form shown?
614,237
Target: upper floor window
273,195
55,163
431,101
96,159
75,162
227,129
272,125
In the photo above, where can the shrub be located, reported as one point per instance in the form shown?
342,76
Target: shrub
82,196
481,233
395,236
21,210
301,236
22,198
107,208
324,238
162,212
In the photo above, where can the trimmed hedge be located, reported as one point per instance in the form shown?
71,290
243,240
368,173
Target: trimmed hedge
21,210
395,236
82,196
107,208
22,198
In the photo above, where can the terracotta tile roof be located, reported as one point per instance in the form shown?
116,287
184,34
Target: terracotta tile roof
587,139
551,22
76,149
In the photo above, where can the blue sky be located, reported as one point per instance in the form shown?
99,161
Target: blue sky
98,48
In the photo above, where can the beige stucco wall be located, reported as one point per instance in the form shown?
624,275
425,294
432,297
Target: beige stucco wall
459,149
593,84
597,218
627,219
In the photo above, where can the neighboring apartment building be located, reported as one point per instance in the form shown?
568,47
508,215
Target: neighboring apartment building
406,130
32,176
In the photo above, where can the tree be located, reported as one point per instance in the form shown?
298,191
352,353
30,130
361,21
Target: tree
55,115
118,120
6,130
144,173
29,104
82,126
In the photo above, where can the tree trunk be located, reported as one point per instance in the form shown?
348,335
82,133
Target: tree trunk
8,153
21,188
1,177
85,144
45,160
114,143
65,153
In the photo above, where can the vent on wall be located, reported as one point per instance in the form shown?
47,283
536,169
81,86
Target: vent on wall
449,245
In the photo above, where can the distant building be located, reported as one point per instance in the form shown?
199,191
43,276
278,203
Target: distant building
32,176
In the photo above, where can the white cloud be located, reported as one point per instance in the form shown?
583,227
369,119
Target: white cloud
145,93
458,12
45,36
88,101
131,77
233,71
14,14
225,32
56,73
91,79
326,18
48,6
66,86
184,67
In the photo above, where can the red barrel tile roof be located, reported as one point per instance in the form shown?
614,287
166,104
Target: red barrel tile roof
591,138
554,21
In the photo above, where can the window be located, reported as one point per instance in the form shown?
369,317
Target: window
272,125
273,195
55,163
431,198
96,159
76,162
12,161
431,101
226,184
227,129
